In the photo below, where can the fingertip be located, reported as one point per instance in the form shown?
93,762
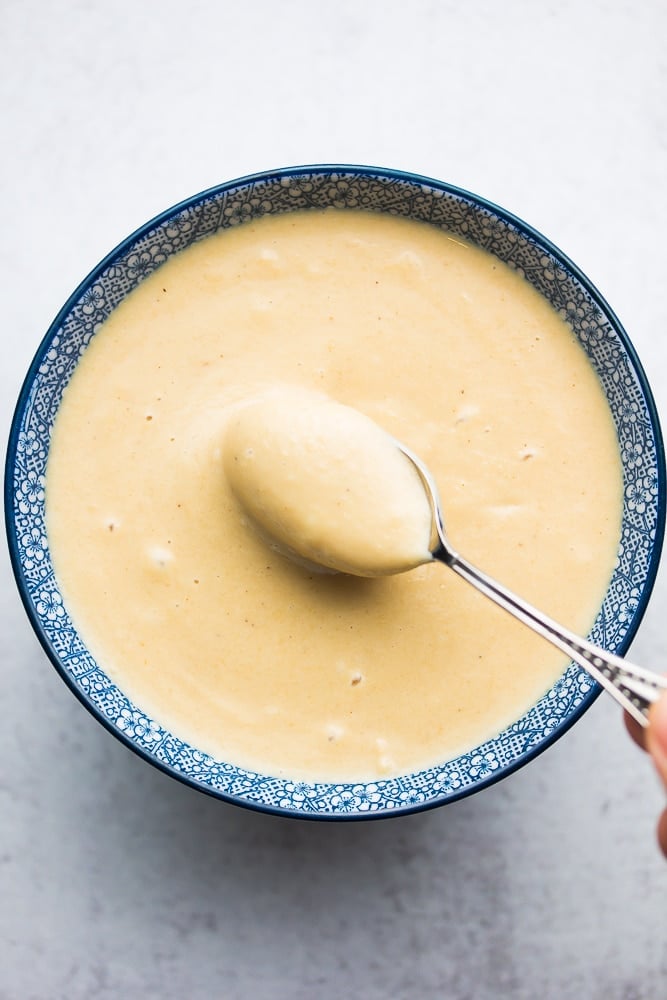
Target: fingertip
656,736
662,832
658,724
636,730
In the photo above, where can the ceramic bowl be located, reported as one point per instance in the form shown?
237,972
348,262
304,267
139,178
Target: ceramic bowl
464,214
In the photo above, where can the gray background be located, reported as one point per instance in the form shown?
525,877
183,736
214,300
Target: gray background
115,880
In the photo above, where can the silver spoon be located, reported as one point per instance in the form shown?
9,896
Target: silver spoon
633,687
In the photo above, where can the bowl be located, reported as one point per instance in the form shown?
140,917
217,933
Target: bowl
380,190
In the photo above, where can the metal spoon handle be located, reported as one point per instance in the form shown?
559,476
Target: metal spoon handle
633,687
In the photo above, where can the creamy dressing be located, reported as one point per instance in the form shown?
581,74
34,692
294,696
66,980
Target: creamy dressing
233,647
325,484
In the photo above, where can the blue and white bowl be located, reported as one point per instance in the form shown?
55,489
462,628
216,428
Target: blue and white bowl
512,241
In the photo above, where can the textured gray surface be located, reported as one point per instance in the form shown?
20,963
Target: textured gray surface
116,881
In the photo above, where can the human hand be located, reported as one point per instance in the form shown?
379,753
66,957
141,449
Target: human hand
653,739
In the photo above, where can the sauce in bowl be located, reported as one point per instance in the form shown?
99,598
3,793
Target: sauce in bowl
236,649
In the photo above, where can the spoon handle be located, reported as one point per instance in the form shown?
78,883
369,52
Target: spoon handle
635,688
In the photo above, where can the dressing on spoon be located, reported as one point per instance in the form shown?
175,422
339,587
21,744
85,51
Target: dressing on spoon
326,485
329,486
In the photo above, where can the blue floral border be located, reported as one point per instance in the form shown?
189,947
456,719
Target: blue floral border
399,194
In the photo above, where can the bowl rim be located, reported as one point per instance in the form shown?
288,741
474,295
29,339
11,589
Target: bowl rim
387,173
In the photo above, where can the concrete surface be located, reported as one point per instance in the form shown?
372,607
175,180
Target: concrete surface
116,882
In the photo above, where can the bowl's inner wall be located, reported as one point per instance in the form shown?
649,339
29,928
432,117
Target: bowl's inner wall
403,195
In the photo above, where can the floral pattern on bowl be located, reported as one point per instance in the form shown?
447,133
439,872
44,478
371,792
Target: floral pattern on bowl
439,204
